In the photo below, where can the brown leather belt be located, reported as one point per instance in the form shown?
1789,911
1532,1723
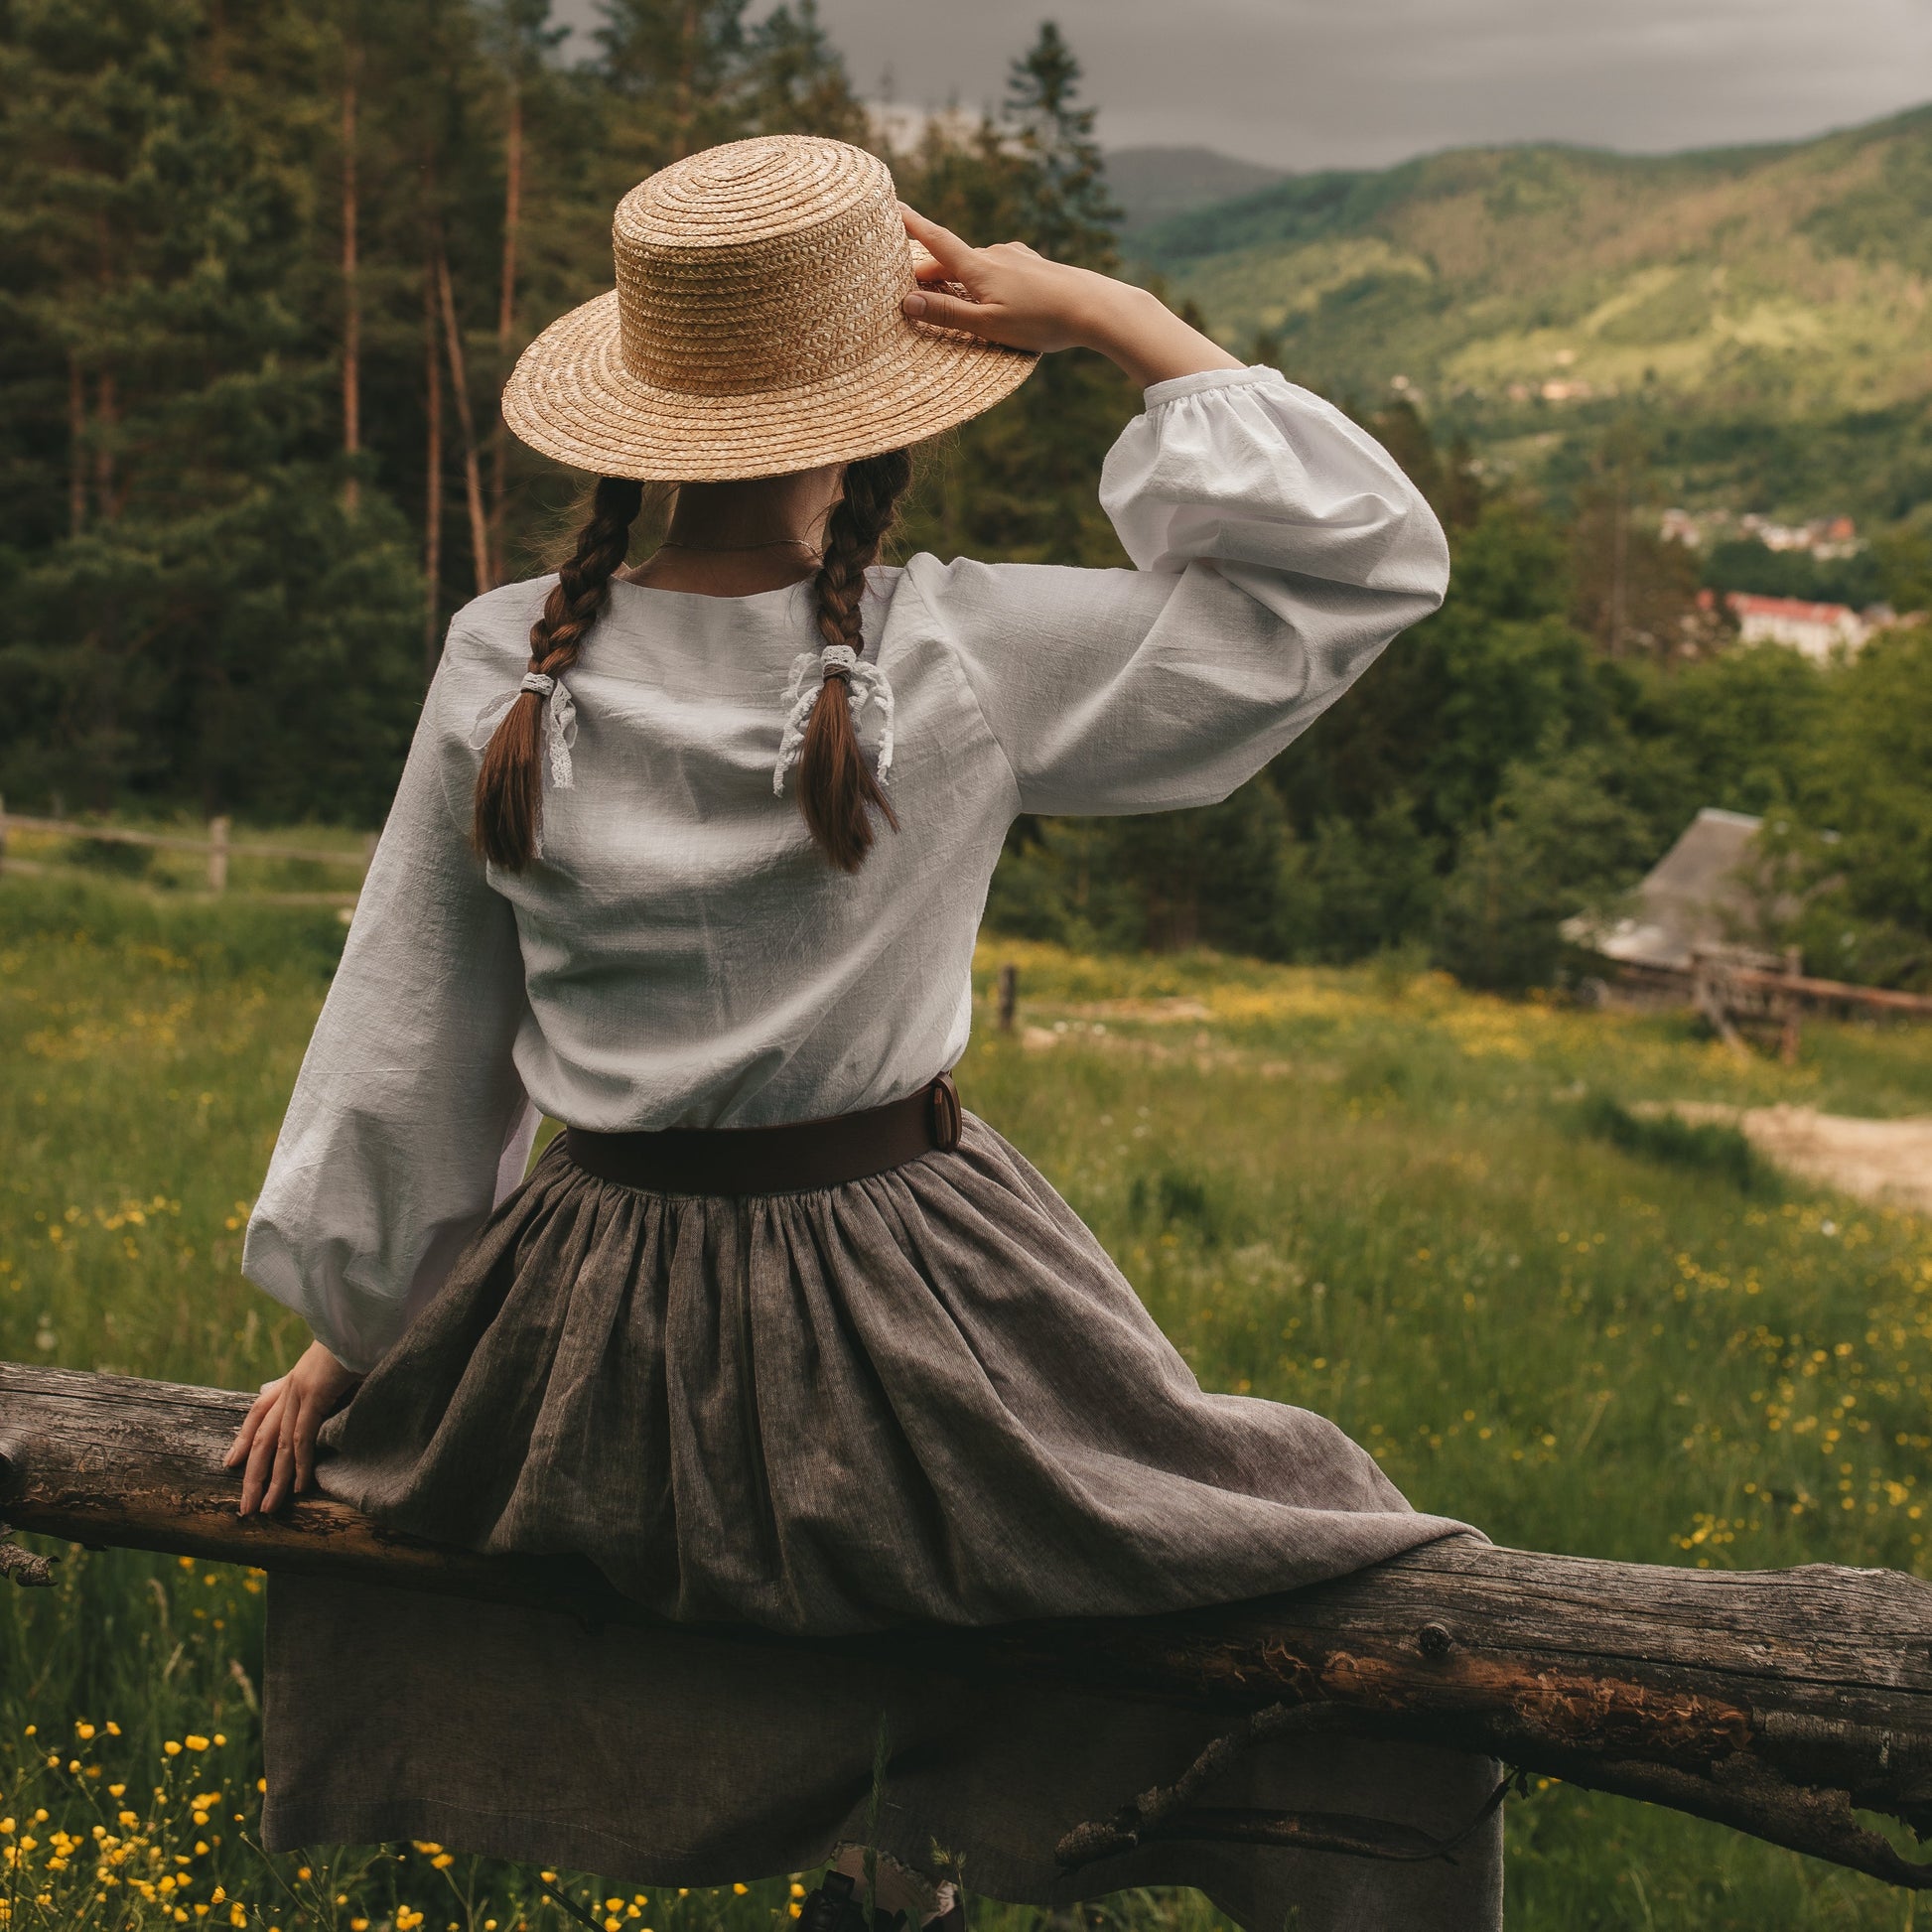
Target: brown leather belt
794,1158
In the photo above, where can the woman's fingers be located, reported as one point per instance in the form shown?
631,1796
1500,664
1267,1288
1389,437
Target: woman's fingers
944,310
954,256
261,1454
306,1429
251,1422
926,266
281,1481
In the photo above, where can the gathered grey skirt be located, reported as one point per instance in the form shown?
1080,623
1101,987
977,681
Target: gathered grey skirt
923,1396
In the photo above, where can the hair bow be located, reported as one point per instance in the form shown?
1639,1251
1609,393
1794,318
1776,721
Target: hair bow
864,683
559,714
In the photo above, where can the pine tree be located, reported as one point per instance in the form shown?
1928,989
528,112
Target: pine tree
794,80
1069,213
672,64
167,373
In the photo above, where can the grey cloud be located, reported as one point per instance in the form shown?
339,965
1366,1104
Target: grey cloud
1308,83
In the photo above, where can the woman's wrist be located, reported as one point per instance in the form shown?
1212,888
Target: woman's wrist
1142,337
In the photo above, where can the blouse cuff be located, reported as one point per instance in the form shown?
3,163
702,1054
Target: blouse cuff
1176,386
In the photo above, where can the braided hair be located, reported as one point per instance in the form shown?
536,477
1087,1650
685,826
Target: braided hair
509,786
836,792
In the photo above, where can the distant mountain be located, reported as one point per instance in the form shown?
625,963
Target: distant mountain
1154,184
1766,311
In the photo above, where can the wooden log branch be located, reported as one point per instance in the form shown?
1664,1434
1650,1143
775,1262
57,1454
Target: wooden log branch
1778,1703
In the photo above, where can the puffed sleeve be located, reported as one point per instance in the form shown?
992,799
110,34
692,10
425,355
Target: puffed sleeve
408,1120
1278,549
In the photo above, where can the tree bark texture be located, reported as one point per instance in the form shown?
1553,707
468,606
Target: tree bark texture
352,291
1778,1702
432,472
465,420
506,321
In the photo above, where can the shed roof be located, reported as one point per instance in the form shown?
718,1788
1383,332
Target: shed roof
1695,896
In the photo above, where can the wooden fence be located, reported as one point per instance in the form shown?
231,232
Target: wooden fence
1778,1704
218,845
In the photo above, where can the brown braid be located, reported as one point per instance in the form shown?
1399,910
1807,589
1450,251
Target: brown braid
836,792
509,786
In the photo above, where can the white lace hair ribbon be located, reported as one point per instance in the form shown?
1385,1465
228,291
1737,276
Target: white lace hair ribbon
560,714
865,684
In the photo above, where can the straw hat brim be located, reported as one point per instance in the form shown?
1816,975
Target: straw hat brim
572,399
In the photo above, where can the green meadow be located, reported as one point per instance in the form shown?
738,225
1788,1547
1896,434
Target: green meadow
1431,1215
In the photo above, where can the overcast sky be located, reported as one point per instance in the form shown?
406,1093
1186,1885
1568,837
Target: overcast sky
1309,83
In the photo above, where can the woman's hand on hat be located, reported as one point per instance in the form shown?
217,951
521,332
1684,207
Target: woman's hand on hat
275,1446
1016,296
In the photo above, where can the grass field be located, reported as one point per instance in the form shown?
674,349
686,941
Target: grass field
1423,1212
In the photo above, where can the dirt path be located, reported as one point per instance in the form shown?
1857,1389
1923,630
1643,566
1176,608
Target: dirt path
1876,1159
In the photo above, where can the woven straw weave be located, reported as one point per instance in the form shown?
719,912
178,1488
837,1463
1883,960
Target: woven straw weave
754,329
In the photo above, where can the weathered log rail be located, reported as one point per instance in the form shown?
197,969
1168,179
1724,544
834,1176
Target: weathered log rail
1778,1702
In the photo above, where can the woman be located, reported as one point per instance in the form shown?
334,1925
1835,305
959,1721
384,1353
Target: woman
773,1333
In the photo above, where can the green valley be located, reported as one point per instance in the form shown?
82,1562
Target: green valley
1763,309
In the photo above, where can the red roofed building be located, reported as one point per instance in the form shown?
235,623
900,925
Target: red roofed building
1815,629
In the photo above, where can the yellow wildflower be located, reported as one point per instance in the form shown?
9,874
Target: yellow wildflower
194,1744
170,1748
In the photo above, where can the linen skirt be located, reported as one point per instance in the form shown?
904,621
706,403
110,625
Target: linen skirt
923,1396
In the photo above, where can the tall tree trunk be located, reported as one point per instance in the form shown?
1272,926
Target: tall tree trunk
351,295
433,470
107,501
684,103
505,322
1619,565
77,445
465,420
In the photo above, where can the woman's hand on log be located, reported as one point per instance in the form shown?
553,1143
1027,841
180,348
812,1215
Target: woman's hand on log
275,1446
1016,296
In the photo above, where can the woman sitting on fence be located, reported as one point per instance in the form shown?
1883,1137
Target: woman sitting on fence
772,1332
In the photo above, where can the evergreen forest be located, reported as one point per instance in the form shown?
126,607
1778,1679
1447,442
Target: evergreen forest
264,271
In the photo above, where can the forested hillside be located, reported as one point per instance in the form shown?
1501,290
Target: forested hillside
1766,309
263,271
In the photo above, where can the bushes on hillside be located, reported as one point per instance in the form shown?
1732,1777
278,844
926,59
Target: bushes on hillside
1496,772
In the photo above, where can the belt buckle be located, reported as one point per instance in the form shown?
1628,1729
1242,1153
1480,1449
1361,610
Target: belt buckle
943,1115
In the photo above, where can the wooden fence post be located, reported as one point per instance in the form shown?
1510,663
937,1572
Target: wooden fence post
1009,996
3,833
218,853
1794,967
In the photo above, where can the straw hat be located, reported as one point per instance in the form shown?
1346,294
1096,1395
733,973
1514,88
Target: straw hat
754,329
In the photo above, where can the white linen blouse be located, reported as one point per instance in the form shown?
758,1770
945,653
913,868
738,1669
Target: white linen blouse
680,956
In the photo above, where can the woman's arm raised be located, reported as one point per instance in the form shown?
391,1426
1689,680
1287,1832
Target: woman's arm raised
1025,301
1278,548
